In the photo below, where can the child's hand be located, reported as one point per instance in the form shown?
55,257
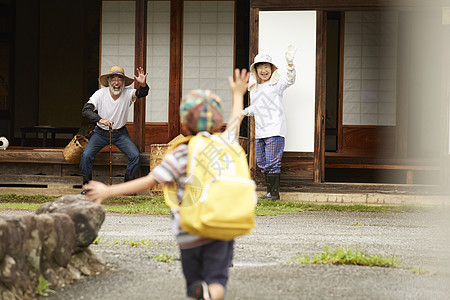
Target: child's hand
239,83
97,191
290,54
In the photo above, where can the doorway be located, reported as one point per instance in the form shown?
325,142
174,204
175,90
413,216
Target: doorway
333,111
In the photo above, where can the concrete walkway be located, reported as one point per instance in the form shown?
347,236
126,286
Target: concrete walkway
343,196
262,268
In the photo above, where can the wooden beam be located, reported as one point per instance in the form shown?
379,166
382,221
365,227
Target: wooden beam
53,156
403,87
326,4
341,82
319,127
253,50
140,60
176,66
445,102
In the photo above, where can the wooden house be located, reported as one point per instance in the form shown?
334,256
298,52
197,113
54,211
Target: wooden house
370,104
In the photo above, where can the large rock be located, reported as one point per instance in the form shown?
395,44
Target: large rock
53,244
85,215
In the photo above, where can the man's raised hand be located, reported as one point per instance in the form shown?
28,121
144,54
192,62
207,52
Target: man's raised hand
141,78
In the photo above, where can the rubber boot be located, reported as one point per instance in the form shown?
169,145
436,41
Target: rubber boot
267,195
274,180
86,180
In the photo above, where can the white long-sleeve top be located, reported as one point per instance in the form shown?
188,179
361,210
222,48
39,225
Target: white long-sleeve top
267,107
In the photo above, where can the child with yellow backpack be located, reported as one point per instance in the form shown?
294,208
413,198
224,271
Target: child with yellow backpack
208,187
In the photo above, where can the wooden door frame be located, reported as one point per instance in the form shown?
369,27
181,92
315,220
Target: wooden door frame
140,60
319,128
320,103
320,6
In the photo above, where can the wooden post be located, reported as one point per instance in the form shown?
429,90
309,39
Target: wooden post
140,60
253,50
319,127
176,64
403,88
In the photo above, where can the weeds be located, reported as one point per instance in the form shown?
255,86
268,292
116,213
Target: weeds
99,240
419,270
135,243
347,257
357,224
42,288
164,257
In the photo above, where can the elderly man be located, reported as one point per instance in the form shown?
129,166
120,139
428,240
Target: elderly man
112,103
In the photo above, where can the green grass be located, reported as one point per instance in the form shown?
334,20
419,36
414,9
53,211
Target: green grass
14,198
341,256
271,208
156,205
137,204
24,206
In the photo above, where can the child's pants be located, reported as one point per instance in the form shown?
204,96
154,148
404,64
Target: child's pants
209,262
269,152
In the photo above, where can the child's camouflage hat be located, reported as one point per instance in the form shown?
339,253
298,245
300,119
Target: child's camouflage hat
201,110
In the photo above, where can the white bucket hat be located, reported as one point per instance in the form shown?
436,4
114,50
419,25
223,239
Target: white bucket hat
262,58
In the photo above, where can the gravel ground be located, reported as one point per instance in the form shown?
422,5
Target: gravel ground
261,269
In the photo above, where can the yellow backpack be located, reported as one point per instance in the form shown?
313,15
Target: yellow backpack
220,197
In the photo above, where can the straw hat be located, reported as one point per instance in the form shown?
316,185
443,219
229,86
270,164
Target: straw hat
116,70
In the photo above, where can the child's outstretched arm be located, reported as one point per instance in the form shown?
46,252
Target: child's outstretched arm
98,191
238,87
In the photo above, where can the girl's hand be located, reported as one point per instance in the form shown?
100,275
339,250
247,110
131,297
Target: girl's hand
290,54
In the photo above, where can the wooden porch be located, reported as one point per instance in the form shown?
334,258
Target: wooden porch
44,171
46,167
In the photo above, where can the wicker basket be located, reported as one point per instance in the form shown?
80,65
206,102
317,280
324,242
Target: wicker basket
243,141
157,152
73,151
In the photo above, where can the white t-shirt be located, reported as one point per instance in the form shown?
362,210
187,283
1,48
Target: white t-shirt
110,109
267,107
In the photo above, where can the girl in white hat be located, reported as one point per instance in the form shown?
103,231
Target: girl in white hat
266,88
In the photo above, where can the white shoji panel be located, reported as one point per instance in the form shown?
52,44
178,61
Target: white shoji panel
118,49
158,52
370,68
118,38
208,44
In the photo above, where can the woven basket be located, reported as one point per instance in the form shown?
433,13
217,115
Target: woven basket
157,152
243,141
73,151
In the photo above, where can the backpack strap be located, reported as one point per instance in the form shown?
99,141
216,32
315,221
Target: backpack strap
184,140
170,191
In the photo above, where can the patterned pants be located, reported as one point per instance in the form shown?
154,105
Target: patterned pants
269,152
